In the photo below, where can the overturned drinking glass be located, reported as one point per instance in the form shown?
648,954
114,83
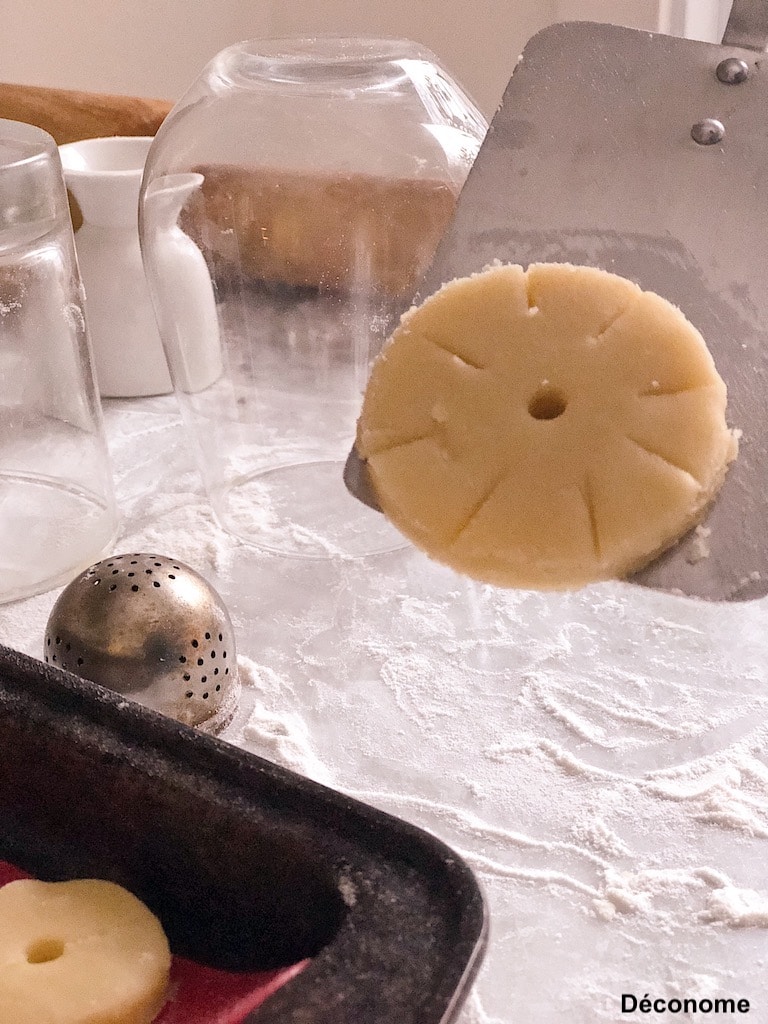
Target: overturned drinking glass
57,510
290,204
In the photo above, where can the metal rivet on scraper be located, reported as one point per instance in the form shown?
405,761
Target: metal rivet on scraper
708,132
732,71
152,629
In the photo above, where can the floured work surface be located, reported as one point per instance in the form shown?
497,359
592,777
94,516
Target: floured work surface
598,756
590,160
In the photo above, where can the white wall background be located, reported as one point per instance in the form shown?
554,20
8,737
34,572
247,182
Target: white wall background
156,47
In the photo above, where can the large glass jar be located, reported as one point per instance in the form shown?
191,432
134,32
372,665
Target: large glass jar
290,203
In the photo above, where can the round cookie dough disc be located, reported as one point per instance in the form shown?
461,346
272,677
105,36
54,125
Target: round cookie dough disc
545,428
79,952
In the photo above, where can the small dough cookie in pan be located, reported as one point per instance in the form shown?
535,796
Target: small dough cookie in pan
79,952
545,428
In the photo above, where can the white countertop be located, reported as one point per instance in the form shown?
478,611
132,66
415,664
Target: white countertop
598,757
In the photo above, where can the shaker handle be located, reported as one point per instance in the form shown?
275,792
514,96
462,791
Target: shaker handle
748,25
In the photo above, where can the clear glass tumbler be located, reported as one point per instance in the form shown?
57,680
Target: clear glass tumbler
312,180
57,510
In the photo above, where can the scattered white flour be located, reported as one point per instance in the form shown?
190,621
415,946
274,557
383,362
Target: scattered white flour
252,512
657,894
699,547
740,908
284,738
190,535
595,835
348,891
281,736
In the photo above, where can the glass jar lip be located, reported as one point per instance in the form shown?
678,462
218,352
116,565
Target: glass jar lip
22,145
170,184
302,60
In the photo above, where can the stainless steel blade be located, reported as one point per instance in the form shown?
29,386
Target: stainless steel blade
592,159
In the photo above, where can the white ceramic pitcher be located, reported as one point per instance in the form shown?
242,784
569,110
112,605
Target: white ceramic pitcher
104,175
188,319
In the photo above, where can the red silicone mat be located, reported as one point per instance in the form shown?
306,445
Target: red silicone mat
204,995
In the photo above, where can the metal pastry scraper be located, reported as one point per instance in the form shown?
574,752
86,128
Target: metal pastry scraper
647,156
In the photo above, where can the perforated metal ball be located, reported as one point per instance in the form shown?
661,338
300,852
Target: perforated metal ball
151,628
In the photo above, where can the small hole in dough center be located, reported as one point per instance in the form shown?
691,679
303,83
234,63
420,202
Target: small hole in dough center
548,403
45,950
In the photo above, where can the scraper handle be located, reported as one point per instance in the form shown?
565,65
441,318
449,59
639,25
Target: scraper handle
748,25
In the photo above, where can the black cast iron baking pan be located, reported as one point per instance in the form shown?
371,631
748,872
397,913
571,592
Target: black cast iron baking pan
249,866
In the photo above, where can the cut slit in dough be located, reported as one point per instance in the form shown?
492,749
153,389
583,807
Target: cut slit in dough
545,428
79,952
